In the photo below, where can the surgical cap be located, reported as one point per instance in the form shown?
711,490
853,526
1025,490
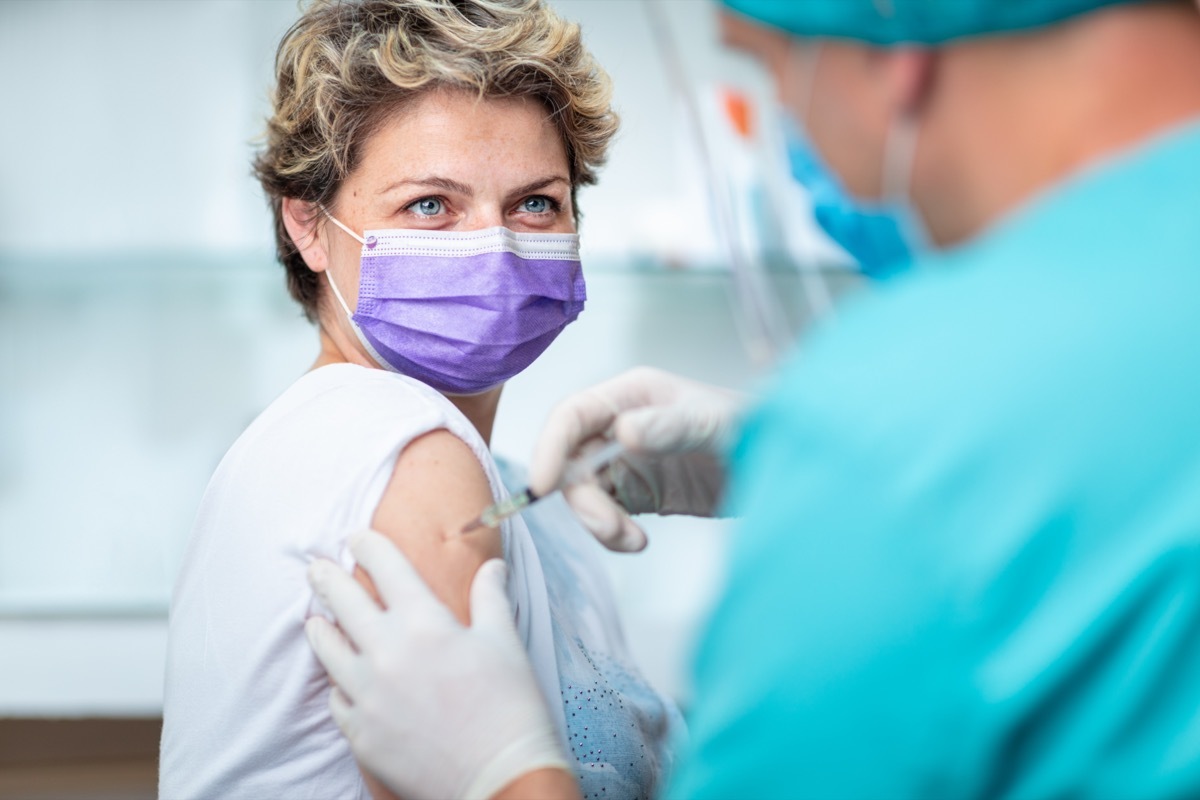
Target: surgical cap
886,22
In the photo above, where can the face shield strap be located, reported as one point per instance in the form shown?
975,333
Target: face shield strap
805,58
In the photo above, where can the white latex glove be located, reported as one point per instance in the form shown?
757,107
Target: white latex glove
675,431
432,708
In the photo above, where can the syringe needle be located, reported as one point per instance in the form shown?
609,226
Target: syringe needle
493,515
577,471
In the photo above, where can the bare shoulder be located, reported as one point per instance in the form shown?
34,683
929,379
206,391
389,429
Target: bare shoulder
437,486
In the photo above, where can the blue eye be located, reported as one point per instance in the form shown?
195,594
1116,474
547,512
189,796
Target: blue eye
537,204
427,207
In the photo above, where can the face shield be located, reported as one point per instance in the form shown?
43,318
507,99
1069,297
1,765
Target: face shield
783,272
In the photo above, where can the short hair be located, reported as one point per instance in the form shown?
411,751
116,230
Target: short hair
346,65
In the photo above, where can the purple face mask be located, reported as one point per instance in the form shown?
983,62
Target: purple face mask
463,311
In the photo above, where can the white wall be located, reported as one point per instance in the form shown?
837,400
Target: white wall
130,123
143,323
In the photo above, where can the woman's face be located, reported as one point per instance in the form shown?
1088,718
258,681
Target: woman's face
451,162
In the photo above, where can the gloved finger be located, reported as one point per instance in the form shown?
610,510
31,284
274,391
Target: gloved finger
394,576
489,597
589,414
357,613
569,425
652,430
334,652
668,429
605,518
342,711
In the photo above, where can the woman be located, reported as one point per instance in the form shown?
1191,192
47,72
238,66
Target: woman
422,162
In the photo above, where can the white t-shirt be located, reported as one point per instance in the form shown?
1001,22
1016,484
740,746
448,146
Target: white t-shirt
246,702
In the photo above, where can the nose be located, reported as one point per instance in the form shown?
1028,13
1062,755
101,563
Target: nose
485,215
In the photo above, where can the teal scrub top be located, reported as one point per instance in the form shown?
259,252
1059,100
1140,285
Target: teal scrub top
968,563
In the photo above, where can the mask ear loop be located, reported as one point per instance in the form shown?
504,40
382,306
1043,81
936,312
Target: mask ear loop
899,153
899,156
329,272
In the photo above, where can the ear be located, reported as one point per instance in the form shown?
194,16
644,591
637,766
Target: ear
302,221
909,74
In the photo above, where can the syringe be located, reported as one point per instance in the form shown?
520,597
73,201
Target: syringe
577,471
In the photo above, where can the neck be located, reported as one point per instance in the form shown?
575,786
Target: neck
479,409
1011,116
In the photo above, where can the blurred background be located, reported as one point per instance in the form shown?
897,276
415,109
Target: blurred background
144,324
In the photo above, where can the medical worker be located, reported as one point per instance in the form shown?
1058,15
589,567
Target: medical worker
968,559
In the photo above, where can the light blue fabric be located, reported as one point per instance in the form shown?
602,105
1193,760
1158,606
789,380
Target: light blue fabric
620,731
888,22
969,562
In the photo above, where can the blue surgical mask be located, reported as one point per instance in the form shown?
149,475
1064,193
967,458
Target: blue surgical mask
881,237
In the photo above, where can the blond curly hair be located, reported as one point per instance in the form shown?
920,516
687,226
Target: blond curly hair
345,65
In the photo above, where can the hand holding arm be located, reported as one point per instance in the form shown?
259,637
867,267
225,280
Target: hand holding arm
433,708
675,431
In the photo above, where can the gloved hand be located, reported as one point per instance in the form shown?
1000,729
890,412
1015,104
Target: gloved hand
434,709
675,431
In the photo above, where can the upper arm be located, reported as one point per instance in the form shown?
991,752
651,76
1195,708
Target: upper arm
437,486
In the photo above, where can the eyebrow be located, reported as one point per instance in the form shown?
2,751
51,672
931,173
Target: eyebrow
450,185
540,183
435,181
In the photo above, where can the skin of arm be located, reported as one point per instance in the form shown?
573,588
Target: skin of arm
437,486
